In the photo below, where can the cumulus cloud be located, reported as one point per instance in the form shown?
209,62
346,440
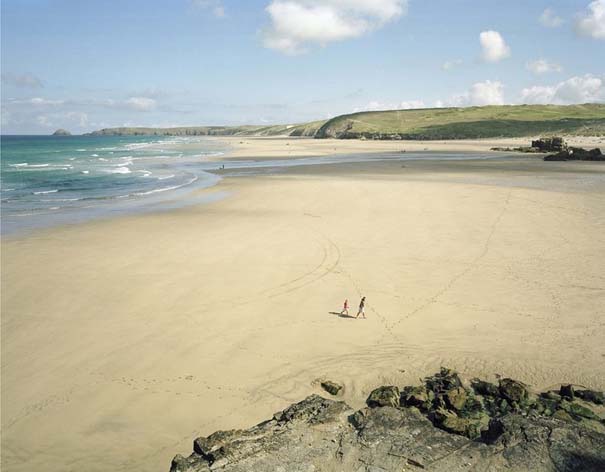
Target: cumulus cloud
449,65
377,106
550,19
480,93
542,66
140,103
298,24
591,23
215,6
23,80
584,89
493,45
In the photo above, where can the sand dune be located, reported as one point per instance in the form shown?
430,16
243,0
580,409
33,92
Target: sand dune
123,339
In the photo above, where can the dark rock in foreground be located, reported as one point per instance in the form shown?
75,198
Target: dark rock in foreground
439,426
332,388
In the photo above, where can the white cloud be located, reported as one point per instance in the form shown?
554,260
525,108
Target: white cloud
23,80
215,6
585,89
481,93
550,19
43,102
140,103
449,65
377,106
67,119
298,24
592,22
542,66
494,47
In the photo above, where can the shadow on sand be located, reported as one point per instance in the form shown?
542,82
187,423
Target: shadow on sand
340,315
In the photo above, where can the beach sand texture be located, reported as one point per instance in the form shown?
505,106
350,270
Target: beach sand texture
124,339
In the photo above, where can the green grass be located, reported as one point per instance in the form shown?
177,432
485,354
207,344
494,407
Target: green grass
469,123
303,129
430,123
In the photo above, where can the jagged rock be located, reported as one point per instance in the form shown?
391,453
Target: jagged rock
578,411
332,388
393,434
591,396
576,154
418,397
445,380
567,391
554,144
456,398
514,392
384,396
453,423
484,388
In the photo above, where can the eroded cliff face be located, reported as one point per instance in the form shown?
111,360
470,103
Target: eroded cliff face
443,425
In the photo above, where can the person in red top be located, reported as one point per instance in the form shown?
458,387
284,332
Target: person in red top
345,308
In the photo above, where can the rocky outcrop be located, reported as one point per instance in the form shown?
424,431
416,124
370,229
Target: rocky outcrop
554,144
576,154
441,425
61,132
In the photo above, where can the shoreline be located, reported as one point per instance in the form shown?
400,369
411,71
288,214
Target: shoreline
170,325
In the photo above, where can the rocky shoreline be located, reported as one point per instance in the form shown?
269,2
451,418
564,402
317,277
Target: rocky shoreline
443,424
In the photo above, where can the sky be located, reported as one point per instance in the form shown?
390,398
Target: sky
86,65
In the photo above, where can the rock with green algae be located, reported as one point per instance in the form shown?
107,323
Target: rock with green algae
542,433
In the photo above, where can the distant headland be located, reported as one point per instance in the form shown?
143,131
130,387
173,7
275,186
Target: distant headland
502,121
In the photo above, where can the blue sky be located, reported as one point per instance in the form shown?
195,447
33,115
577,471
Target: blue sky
85,65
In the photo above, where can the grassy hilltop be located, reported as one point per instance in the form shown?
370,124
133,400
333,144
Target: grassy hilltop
429,123
469,123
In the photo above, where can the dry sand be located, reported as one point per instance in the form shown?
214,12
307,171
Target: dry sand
124,339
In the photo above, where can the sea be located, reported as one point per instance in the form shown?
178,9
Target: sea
47,180
55,180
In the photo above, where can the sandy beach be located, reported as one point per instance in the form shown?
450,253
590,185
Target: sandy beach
123,339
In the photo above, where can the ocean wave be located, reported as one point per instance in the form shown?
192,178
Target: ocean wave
166,177
42,192
165,189
94,155
86,172
120,170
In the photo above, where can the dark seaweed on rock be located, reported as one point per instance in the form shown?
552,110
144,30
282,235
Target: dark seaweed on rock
441,425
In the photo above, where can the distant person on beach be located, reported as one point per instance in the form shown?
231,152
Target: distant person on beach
362,308
345,307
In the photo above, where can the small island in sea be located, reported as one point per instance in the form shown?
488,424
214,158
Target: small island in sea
61,132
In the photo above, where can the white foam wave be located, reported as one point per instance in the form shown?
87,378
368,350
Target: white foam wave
94,155
166,177
165,189
42,192
120,170
85,171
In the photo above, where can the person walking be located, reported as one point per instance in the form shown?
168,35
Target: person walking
345,307
362,308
